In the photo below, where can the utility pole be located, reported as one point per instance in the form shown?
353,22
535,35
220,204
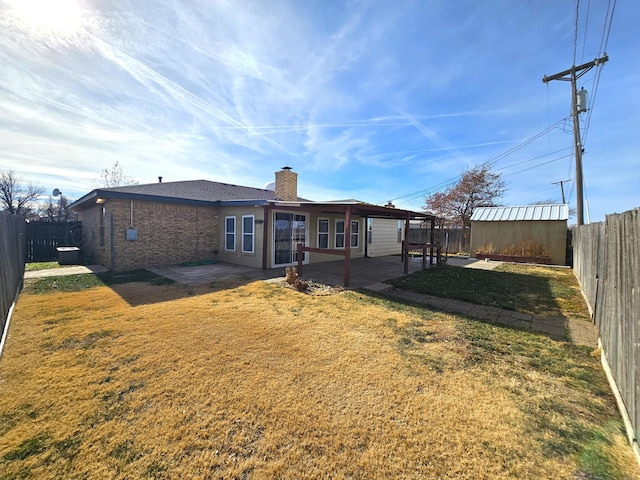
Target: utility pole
561,183
573,74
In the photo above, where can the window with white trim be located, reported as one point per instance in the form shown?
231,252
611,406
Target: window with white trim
369,231
399,231
339,233
230,234
323,233
248,236
355,233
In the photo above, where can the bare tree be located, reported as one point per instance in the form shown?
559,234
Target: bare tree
56,211
16,197
572,210
477,187
114,177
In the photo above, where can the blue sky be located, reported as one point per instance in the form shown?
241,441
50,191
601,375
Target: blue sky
373,100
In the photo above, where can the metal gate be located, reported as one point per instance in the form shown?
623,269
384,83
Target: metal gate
42,239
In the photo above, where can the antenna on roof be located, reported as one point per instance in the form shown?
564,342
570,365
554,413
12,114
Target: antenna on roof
56,192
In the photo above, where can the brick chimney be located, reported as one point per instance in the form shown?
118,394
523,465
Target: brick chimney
287,185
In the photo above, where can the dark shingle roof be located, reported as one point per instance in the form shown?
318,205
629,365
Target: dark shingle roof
204,190
191,190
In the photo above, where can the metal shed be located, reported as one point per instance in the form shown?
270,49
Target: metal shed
505,229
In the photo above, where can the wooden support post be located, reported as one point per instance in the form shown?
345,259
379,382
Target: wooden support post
407,224
432,240
347,246
300,257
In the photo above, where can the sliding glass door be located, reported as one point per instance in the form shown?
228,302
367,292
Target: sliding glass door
289,229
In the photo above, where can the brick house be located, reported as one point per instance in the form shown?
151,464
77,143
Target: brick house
168,223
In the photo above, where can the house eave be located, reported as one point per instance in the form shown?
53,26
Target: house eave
95,195
357,208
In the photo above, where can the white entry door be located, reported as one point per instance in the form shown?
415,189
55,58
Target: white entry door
289,229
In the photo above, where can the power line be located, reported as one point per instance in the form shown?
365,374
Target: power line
538,157
408,198
525,143
572,74
421,193
538,165
575,33
606,31
586,28
611,6
561,183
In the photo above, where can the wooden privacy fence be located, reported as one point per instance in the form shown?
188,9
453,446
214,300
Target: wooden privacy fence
454,240
11,261
42,239
451,240
607,263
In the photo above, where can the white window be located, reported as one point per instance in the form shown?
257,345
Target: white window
370,230
399,231
230,233
323,233
355,233
339,233
248,236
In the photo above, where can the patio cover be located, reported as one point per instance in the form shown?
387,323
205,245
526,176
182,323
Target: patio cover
349,208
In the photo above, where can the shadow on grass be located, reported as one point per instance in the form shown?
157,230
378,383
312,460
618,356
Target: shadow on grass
157,288
530,293
536,299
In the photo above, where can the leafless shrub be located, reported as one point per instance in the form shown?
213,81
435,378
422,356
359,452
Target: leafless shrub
293,279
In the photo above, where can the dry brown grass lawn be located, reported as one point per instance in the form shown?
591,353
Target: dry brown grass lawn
258,381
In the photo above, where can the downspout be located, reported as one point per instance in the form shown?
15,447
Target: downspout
366,237
265,236
111,238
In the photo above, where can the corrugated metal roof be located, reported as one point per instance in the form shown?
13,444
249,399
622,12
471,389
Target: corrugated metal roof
527,212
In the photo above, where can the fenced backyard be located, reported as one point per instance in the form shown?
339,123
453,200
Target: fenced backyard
42,239
607,264
261,381
12,260
451,240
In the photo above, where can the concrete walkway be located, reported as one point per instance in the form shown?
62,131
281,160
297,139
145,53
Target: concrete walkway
472,263
64,271
579,332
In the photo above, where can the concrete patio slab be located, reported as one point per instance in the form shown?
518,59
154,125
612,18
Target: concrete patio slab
201,274
472,263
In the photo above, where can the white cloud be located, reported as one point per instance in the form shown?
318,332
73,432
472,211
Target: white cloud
363,99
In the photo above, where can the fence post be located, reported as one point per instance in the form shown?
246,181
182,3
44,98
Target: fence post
12,247
607,265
